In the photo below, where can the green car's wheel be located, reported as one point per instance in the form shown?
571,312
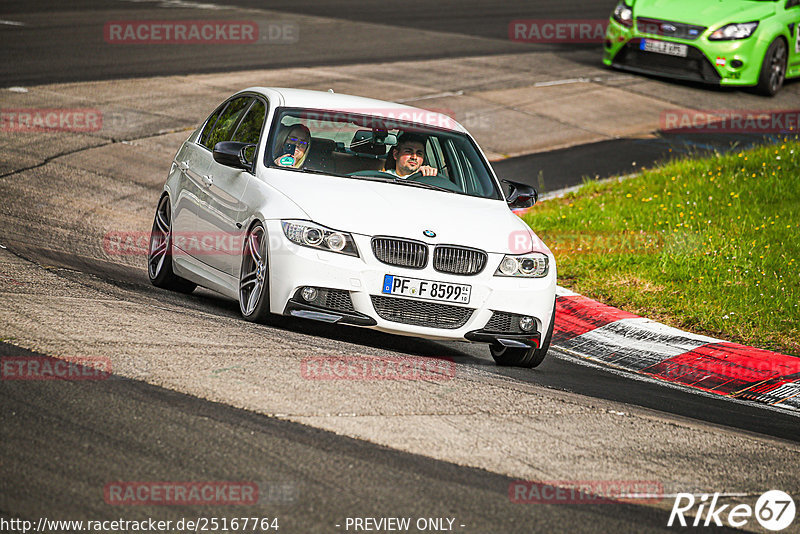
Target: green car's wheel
773,70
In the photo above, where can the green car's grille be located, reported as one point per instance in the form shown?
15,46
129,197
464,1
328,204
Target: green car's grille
694,66
667,28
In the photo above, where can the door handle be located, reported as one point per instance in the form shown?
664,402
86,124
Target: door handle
182,165
207,180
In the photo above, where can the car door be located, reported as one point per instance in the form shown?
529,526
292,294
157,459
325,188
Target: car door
191,161
221,208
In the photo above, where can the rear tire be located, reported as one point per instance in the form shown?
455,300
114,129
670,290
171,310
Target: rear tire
773,69
529,358
159,257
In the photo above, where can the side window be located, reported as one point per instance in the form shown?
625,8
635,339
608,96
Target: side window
474,187
249,129
227,121
457,165
212,120
434,153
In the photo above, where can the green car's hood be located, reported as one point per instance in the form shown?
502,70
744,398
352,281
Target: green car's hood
709,13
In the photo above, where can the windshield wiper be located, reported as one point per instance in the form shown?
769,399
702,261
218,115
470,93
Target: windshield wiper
371,178
389,179
423,184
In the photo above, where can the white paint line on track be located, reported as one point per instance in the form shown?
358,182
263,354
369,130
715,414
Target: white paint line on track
565,82
429,97
649,328
549,83
179,3
581,79
12,23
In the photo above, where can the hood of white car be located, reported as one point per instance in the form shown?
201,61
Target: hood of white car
378,208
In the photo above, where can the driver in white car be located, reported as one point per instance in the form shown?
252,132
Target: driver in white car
407,156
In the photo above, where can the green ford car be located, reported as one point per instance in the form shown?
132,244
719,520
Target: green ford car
723,42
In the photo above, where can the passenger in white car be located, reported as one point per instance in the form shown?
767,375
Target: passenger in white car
293,148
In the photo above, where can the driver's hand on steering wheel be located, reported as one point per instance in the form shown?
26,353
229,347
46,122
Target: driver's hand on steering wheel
427,170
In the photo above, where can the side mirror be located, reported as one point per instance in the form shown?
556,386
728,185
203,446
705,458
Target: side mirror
234,154
521,195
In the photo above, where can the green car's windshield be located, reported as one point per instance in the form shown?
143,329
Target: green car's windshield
366,147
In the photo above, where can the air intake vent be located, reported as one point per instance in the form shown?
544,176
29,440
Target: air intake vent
420,313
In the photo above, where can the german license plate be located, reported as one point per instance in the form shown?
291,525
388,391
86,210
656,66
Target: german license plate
664,47
426,289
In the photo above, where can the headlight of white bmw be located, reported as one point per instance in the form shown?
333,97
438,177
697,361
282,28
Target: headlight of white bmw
308,234
534,265
730,32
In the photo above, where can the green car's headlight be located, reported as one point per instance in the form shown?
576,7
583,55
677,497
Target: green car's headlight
312,235
730,32
623,14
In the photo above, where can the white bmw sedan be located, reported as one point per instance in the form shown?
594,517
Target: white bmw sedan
354,211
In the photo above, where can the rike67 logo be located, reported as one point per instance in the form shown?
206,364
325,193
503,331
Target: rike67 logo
774,510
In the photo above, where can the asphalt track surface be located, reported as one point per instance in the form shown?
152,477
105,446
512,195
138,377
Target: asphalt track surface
54,42
568,167
95,433
63,41
62,441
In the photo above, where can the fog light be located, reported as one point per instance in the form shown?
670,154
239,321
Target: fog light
309,294
736,63
526,324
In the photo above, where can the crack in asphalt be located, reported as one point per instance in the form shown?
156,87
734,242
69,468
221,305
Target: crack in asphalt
109,142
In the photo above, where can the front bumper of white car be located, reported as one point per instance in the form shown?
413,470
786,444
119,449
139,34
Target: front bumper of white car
349,291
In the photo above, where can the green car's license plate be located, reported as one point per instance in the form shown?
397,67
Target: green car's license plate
664,47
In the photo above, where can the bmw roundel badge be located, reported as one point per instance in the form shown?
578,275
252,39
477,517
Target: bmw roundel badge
429,233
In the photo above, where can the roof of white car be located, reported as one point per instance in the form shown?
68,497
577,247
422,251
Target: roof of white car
303,98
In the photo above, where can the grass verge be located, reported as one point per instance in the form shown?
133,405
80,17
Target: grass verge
709,245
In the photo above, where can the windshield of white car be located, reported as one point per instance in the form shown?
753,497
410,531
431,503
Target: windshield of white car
360,146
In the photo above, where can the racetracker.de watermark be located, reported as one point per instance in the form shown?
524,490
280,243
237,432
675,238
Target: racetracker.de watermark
47,368
202,32
50,120
180,493
384,368
122,243
557,30
730,121
585,491
391,118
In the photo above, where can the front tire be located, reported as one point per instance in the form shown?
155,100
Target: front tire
254,277
159,257
528,358
773,70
